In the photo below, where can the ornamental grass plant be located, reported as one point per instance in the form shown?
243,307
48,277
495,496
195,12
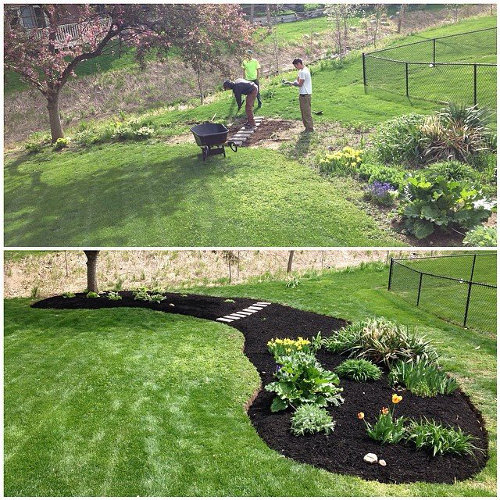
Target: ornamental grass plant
381,341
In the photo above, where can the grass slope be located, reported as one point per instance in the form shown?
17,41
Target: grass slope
157,195
132,402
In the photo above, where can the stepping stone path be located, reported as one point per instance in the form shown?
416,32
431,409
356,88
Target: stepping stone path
258,306
243,134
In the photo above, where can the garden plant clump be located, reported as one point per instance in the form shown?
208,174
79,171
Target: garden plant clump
301,379
422,378
359,370
381,341
438,169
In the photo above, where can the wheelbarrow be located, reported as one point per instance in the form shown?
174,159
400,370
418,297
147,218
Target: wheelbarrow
212,137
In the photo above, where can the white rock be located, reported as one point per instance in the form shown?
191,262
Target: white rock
382,463
370,458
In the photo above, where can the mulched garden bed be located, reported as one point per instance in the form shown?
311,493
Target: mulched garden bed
344,449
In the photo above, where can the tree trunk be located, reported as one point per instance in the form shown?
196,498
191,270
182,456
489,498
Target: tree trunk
91,269
268,14
200,85
401,18
56,130
290,260
252,12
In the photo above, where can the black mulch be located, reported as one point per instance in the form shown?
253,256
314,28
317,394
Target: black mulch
343,450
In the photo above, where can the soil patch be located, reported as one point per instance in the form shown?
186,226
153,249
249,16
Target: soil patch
343,450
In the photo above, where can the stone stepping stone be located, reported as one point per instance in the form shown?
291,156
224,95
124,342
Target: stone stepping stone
258,306
243,134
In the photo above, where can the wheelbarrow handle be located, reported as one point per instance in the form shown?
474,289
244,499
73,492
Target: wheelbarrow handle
233,146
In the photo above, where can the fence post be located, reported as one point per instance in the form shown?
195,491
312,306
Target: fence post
419,288
475,84
433,51
390,275
364,70
467,304
407,87
473,266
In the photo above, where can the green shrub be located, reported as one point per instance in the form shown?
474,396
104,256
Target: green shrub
309,418
421,378
61,143
481,236
144,295
359,370
301,379
456,132
397,141
92,295
68,295
439,439
381,341
33,147
451,171
380,173
441,203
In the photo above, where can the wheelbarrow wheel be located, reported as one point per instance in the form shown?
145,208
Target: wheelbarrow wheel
204,152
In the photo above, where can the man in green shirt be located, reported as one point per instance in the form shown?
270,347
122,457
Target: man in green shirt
251,72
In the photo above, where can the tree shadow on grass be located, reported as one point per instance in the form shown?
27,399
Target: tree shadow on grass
96,206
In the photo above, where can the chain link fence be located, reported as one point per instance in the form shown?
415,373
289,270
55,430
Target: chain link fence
456,288
456,68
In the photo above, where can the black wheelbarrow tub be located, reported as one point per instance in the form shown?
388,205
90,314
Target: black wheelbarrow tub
210,134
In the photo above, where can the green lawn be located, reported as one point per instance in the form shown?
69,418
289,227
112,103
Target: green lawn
132,402
157,195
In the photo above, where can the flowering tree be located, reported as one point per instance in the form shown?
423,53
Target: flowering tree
47,57
216,31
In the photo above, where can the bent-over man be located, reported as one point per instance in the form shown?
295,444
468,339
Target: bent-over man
244,87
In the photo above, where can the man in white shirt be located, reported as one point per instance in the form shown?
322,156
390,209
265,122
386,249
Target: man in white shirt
305,91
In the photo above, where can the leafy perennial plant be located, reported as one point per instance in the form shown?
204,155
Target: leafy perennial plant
309,418
345,161
301,379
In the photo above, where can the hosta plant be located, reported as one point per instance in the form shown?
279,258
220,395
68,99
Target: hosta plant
422,378
359,370
92,295
114,296
301,379
429,435
310,419
144,295
68,295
